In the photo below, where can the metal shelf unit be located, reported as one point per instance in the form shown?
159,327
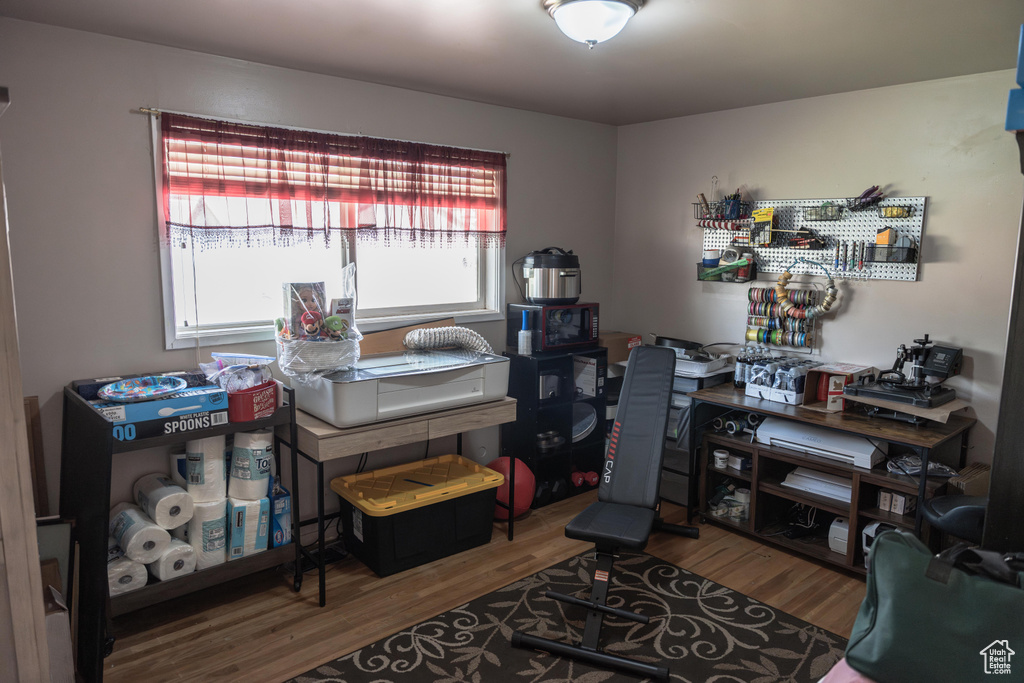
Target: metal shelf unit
87,449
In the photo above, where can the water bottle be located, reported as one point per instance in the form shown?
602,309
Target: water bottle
739,377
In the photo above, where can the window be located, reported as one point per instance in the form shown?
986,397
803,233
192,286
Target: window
247,208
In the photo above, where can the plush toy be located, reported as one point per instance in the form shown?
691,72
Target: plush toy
312,322
336,327
281,329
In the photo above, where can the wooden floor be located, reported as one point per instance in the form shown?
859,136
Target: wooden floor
257,629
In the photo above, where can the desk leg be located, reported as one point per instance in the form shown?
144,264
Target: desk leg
922,488
511,495
296,520
321,554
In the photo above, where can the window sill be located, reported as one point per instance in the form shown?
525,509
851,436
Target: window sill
214,338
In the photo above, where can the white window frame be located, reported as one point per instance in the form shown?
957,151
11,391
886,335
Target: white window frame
492,281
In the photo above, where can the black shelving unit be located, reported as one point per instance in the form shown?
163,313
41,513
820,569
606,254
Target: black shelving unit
550,403
87,449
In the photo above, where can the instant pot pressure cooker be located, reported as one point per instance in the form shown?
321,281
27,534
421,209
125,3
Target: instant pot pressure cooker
552,276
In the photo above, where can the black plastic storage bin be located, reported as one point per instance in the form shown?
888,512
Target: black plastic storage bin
400,517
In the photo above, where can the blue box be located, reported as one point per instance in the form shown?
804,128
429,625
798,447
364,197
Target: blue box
281,518
190,409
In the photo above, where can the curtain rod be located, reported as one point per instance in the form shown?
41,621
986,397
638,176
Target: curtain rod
156,112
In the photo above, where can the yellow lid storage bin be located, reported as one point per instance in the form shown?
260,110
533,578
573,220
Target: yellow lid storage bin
400,517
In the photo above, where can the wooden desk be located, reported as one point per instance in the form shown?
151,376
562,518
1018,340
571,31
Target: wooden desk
927,436
320,442
925,440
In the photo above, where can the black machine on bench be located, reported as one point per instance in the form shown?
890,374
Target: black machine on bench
932,363
626,510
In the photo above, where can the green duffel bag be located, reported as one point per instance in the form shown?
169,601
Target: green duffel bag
939,618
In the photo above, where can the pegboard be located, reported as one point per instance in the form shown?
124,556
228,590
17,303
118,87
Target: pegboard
835,225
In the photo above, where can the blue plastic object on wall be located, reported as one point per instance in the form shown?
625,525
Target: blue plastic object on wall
1015,107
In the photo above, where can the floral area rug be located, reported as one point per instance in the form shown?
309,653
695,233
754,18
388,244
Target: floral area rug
704,633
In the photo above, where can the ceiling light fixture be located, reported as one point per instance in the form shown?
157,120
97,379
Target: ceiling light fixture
592,21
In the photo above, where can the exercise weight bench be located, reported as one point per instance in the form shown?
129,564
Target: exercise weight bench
626,509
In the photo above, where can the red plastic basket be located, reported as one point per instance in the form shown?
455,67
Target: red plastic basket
253,404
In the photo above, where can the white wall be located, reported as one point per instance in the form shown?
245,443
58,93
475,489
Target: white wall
941,139
78,167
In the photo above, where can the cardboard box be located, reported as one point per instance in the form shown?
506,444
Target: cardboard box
619,344
190,409
972,480
792,398
885,501
758,391
58,636
837,376
885,236
903,504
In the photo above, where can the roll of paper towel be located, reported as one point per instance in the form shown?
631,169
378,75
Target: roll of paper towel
250,465
181,533
165,502
206,478
179,468
207,533
248,526
123,575
178,560
136,534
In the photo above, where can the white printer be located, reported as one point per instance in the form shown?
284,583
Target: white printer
854,450
395,385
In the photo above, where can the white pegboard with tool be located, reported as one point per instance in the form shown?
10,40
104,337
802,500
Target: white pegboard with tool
856,238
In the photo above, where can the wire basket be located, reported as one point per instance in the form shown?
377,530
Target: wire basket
826,212
723,209
303,355
901,211
889,254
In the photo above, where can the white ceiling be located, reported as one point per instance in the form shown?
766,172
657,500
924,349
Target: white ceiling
674,58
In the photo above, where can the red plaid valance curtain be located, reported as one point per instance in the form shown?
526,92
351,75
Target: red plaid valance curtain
243,184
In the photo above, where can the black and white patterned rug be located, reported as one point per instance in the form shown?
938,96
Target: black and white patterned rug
702,631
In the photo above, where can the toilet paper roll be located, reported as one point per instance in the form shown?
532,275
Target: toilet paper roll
136,534
206,480
123,575
179,469
165,502
248,526
178,560
207,533
250,465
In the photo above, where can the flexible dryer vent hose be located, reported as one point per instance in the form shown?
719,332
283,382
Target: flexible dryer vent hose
446,338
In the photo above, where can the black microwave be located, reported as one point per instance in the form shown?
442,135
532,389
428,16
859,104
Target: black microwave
555,327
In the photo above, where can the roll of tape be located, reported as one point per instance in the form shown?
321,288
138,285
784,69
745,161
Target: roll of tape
742,495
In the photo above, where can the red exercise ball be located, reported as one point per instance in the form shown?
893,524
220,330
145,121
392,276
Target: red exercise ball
525,486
